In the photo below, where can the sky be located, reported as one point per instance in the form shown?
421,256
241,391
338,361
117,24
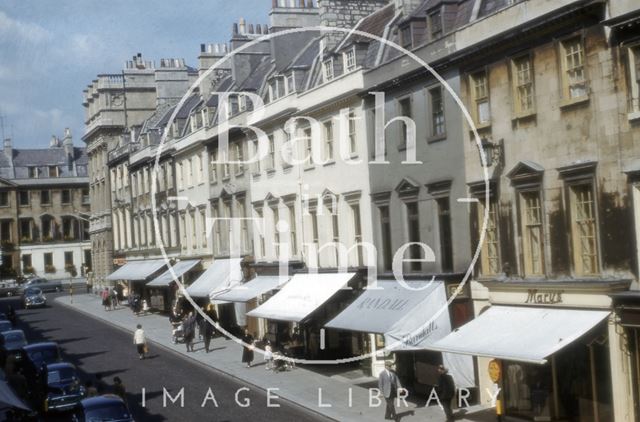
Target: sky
51,50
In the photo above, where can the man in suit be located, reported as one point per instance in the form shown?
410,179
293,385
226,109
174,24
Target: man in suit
446,391
388,383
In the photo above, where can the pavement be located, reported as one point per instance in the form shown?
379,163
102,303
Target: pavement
336,395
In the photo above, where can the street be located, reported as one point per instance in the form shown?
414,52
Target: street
95,347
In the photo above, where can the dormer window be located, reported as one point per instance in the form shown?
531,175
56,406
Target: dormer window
33,172
290,83
328,70
435,24
350,60
53,171
406,37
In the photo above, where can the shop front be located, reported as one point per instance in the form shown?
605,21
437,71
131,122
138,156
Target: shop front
296,314
162,292
221,276
553,350
405,320
627,307
136,273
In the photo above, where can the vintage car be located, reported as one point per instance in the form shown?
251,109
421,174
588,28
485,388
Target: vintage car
64,390
103,408
33,298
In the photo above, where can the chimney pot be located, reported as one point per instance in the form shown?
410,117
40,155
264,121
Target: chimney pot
259,29
274,3
251,28
235,29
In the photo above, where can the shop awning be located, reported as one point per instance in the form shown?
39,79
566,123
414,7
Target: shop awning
302,295
137,270
221,275
409,319
252,289
523,334
179,269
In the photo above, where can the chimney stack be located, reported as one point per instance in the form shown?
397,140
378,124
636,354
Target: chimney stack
67,143
8,149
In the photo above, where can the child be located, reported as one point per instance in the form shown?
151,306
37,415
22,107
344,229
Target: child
268,356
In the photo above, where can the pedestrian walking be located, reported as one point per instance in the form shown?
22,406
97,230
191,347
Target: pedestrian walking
189,329
140,341
446,390
389,384
90,390
118,388
114,299
105,298
208,332
247,351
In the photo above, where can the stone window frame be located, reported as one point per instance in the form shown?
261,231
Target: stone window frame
328,70
350,60
516,87
434,136
475,100
578,176
566,99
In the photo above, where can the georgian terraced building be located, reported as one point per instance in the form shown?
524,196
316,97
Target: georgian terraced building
44,205
552,90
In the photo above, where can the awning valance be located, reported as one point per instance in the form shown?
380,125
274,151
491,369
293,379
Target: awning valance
252,289
410,318
302,295
221,275
179,269
524,334
137,270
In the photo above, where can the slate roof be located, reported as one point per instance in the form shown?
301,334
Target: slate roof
373,24
42,159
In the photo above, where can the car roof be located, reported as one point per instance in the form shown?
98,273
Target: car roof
8,332
60,365
40,346
101,401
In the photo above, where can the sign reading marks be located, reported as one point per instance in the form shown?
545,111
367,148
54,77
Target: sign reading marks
549,297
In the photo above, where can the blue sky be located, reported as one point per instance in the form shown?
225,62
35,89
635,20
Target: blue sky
50,51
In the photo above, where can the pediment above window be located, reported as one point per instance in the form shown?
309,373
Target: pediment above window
526,172
408,187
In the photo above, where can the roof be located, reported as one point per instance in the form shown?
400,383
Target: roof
60,365
373,24
39,346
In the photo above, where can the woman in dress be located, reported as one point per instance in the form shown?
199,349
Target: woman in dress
247,352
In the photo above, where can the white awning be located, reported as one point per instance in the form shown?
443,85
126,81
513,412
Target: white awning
137,270
221,275
179,269
252,289
301,296
524,334
410,318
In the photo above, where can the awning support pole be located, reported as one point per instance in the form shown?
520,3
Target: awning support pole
554,376
594,388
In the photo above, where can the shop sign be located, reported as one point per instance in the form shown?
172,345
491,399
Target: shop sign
495,370
543,297
119,261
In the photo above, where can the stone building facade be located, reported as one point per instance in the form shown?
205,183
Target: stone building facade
44,209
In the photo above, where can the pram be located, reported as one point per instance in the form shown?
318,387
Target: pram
281,363
177,333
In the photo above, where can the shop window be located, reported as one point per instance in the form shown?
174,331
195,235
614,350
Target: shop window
490,256
532,233
583,229
574,80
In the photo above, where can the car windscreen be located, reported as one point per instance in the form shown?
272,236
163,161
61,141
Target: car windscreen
107,412
14,338
61,374
32,292
43,356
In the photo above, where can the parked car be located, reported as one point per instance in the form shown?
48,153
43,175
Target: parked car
10,343
44,284
33,356
64,391
104,408
5,325
9,288
33,298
